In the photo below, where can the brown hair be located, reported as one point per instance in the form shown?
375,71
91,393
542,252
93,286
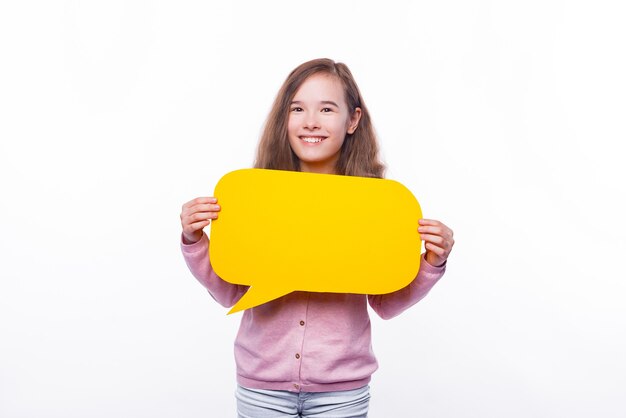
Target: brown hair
359,152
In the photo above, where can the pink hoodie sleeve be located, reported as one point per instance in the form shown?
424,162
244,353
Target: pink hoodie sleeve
197,259
392,304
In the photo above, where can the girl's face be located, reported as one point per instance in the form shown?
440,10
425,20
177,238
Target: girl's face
319,120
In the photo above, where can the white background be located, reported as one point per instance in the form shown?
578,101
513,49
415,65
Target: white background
505,119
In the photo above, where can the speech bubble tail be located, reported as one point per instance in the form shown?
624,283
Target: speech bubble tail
256,296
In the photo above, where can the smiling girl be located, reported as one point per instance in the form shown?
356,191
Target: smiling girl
310,354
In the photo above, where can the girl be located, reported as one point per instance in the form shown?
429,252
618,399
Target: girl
309,354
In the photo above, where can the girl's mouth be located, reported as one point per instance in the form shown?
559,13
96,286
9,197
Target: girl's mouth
312,139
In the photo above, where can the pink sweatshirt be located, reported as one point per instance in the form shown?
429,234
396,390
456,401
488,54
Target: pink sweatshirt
306,341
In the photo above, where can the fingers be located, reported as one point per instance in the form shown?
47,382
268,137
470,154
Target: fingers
438,240
432,223
433,231
199,216
199,201
192,231
200,205
435,249
434,239
196,215
432,227
201,208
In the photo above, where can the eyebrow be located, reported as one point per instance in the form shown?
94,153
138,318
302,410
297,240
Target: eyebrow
324,102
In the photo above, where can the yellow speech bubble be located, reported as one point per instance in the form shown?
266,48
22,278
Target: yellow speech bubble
281,231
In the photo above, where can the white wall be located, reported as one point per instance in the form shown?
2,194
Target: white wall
506,120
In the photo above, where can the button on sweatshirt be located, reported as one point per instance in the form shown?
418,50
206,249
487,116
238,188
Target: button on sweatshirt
306,341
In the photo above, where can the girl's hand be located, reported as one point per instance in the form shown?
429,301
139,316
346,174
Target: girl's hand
197,214
438,239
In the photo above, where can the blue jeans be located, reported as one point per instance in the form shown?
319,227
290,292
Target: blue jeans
257,403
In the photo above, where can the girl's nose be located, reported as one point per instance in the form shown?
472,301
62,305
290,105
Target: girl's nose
311,121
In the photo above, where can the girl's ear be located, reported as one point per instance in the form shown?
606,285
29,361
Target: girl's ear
354,120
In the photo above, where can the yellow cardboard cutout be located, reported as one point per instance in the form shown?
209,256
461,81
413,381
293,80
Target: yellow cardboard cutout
281,231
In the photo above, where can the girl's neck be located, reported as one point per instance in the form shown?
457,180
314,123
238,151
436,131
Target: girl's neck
322,168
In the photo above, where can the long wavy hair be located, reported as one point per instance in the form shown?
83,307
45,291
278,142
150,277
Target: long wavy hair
359,152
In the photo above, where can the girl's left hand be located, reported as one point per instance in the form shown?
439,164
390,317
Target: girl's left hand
438,239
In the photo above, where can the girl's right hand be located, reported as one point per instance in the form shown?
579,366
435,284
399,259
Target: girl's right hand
196,215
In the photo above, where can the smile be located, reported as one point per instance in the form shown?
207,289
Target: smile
312,139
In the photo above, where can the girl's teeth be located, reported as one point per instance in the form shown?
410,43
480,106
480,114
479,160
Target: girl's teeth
312,140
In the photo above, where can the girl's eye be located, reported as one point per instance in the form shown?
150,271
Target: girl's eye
326,109
296,109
